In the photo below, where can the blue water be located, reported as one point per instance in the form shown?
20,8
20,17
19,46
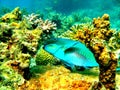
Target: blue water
91,8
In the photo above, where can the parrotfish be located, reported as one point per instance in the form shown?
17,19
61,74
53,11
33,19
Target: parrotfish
71,52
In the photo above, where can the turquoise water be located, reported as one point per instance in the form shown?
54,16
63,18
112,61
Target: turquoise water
89,8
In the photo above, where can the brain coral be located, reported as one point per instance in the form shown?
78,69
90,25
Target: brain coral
44,58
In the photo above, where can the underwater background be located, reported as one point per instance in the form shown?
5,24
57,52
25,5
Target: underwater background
59,44
85,8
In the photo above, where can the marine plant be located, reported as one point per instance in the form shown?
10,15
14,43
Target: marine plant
56,18
80,17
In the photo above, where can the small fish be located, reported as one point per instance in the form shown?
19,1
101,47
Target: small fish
70,52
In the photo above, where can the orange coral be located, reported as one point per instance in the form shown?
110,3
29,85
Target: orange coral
102,22
97,39
58,78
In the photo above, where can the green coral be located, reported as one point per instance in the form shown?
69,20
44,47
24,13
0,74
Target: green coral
72,32
12,16
4,52
5,32
17,44
28,41
9,79
44,58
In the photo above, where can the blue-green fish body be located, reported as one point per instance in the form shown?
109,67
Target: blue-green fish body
72,53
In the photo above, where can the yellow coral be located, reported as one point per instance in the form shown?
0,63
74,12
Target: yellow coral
16,25
99,39
45,58
59,78
12,16
102,22
24,60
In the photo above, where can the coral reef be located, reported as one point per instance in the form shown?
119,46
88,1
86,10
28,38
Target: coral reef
9,79
97,39
34,21
21,47
20,39
44,58
57,78
31,21
73,32
17,45
107,58
22,36
28,40
15,15
5,32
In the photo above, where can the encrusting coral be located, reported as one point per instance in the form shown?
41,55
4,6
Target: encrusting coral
59,78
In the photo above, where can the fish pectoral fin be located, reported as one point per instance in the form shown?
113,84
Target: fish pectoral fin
80,68
118,69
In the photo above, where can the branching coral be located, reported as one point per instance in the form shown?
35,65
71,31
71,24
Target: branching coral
47,26
12,16
97,39
5,32
28,40
9,79
104,43
31,21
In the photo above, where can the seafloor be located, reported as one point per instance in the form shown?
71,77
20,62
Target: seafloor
25,65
